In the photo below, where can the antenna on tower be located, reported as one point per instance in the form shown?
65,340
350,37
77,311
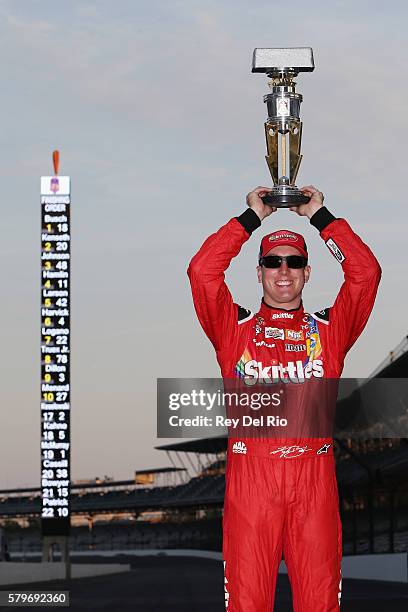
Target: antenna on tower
55,160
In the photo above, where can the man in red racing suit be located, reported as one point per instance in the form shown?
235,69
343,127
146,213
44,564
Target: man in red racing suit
281,495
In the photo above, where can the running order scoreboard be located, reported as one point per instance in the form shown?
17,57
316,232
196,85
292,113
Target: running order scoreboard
55,354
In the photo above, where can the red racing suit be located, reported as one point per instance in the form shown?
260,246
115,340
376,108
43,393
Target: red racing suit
281,495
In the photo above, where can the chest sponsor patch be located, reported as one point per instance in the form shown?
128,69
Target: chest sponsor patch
292,334
282,315
274,332
332,246
263,343
256,371
297,348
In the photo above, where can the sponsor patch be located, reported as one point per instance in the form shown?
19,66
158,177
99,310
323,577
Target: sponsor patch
297,348
226,594
335,250
282,315
324,449
274,332
292,334
283,236
255,371
239,447
263,343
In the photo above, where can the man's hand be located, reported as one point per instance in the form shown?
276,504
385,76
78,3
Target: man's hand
316,202
254,201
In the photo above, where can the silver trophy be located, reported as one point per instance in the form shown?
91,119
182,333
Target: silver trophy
283,128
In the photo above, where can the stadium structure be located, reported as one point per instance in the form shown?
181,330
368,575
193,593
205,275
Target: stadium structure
180,507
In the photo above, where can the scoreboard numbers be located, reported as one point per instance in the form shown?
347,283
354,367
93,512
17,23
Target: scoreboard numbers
55,354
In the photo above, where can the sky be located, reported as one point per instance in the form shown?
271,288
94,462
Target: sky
159,123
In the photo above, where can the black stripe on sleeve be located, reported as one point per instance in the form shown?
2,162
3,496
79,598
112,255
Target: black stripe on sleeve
322,218
249,220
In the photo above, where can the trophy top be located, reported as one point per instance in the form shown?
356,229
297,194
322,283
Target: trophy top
290,59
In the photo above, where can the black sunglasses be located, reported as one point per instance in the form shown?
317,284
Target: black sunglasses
275,261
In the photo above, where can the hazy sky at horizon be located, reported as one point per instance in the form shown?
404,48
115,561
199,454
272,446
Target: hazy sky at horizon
159,122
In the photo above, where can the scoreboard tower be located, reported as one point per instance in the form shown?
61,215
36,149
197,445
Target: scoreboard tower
55,362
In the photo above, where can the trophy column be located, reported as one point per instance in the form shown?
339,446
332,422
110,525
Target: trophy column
283,128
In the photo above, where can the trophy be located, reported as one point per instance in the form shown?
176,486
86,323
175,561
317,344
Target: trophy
283,128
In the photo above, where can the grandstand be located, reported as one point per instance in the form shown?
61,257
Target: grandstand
395,364
181,506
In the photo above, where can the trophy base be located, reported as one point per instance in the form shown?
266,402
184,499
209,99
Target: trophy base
284,196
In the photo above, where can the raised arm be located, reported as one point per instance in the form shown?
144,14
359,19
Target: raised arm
215,308
362,273
355,300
